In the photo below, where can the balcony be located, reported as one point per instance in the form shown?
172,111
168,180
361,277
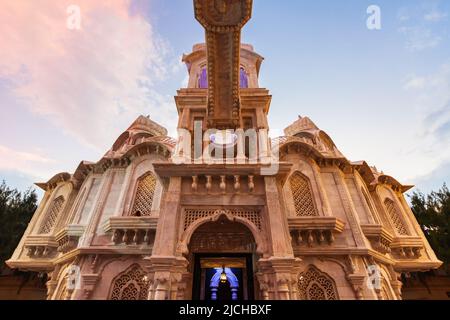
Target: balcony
407,247
131,230
312,231
41,246
379,237
68,237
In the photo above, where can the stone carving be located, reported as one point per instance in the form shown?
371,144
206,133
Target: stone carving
192,215
52,215
315,285
393,215
145,191
223,20
302,195
130,285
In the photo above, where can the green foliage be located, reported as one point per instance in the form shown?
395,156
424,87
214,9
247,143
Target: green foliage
433,214
16,210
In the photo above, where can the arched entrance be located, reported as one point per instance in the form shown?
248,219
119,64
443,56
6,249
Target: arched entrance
222,255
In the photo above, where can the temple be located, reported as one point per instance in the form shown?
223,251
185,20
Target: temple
224,212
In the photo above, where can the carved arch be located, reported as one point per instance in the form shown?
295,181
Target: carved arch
316,285
327,141
123,138
296,145
129,285
187,234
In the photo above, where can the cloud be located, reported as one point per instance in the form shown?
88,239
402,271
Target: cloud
420,26
25,162
415,82
431,93
435,16
419,38
87,82
434,180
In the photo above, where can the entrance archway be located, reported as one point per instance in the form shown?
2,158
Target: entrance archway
226,249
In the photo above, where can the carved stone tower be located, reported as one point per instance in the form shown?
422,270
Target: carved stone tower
224,212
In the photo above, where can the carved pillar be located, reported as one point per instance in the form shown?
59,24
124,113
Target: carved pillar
263,280
167,275
162,286
280,242
264,146
294,286
166,235
276,276
240,157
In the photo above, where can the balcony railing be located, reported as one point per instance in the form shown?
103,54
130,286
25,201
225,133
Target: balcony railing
313,231
131,230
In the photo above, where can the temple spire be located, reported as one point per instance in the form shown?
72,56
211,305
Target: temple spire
223,21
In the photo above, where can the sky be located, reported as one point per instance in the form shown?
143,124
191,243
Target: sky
383,95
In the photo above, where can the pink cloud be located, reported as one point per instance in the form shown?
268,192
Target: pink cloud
88,82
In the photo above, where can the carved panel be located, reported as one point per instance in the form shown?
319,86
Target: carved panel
222,241
394,216
302,196
130,285
192,215
143,200
51,216
315,285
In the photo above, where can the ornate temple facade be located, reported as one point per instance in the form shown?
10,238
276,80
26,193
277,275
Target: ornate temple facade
224,212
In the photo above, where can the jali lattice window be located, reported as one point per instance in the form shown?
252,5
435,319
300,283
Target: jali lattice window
192,215
145,192
52,214
302,195
315,285
394,216
130,285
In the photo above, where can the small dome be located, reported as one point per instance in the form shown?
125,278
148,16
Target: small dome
302,124
145,124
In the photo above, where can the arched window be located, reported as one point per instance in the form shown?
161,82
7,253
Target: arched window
395,217
143,199
203,79
316,285
52,215
130,285
243,77
302,195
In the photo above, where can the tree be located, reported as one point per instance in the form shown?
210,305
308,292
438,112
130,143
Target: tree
16,210
433,214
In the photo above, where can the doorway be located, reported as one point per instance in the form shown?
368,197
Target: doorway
223,277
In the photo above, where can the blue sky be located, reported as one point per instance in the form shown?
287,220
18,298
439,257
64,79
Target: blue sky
382,95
